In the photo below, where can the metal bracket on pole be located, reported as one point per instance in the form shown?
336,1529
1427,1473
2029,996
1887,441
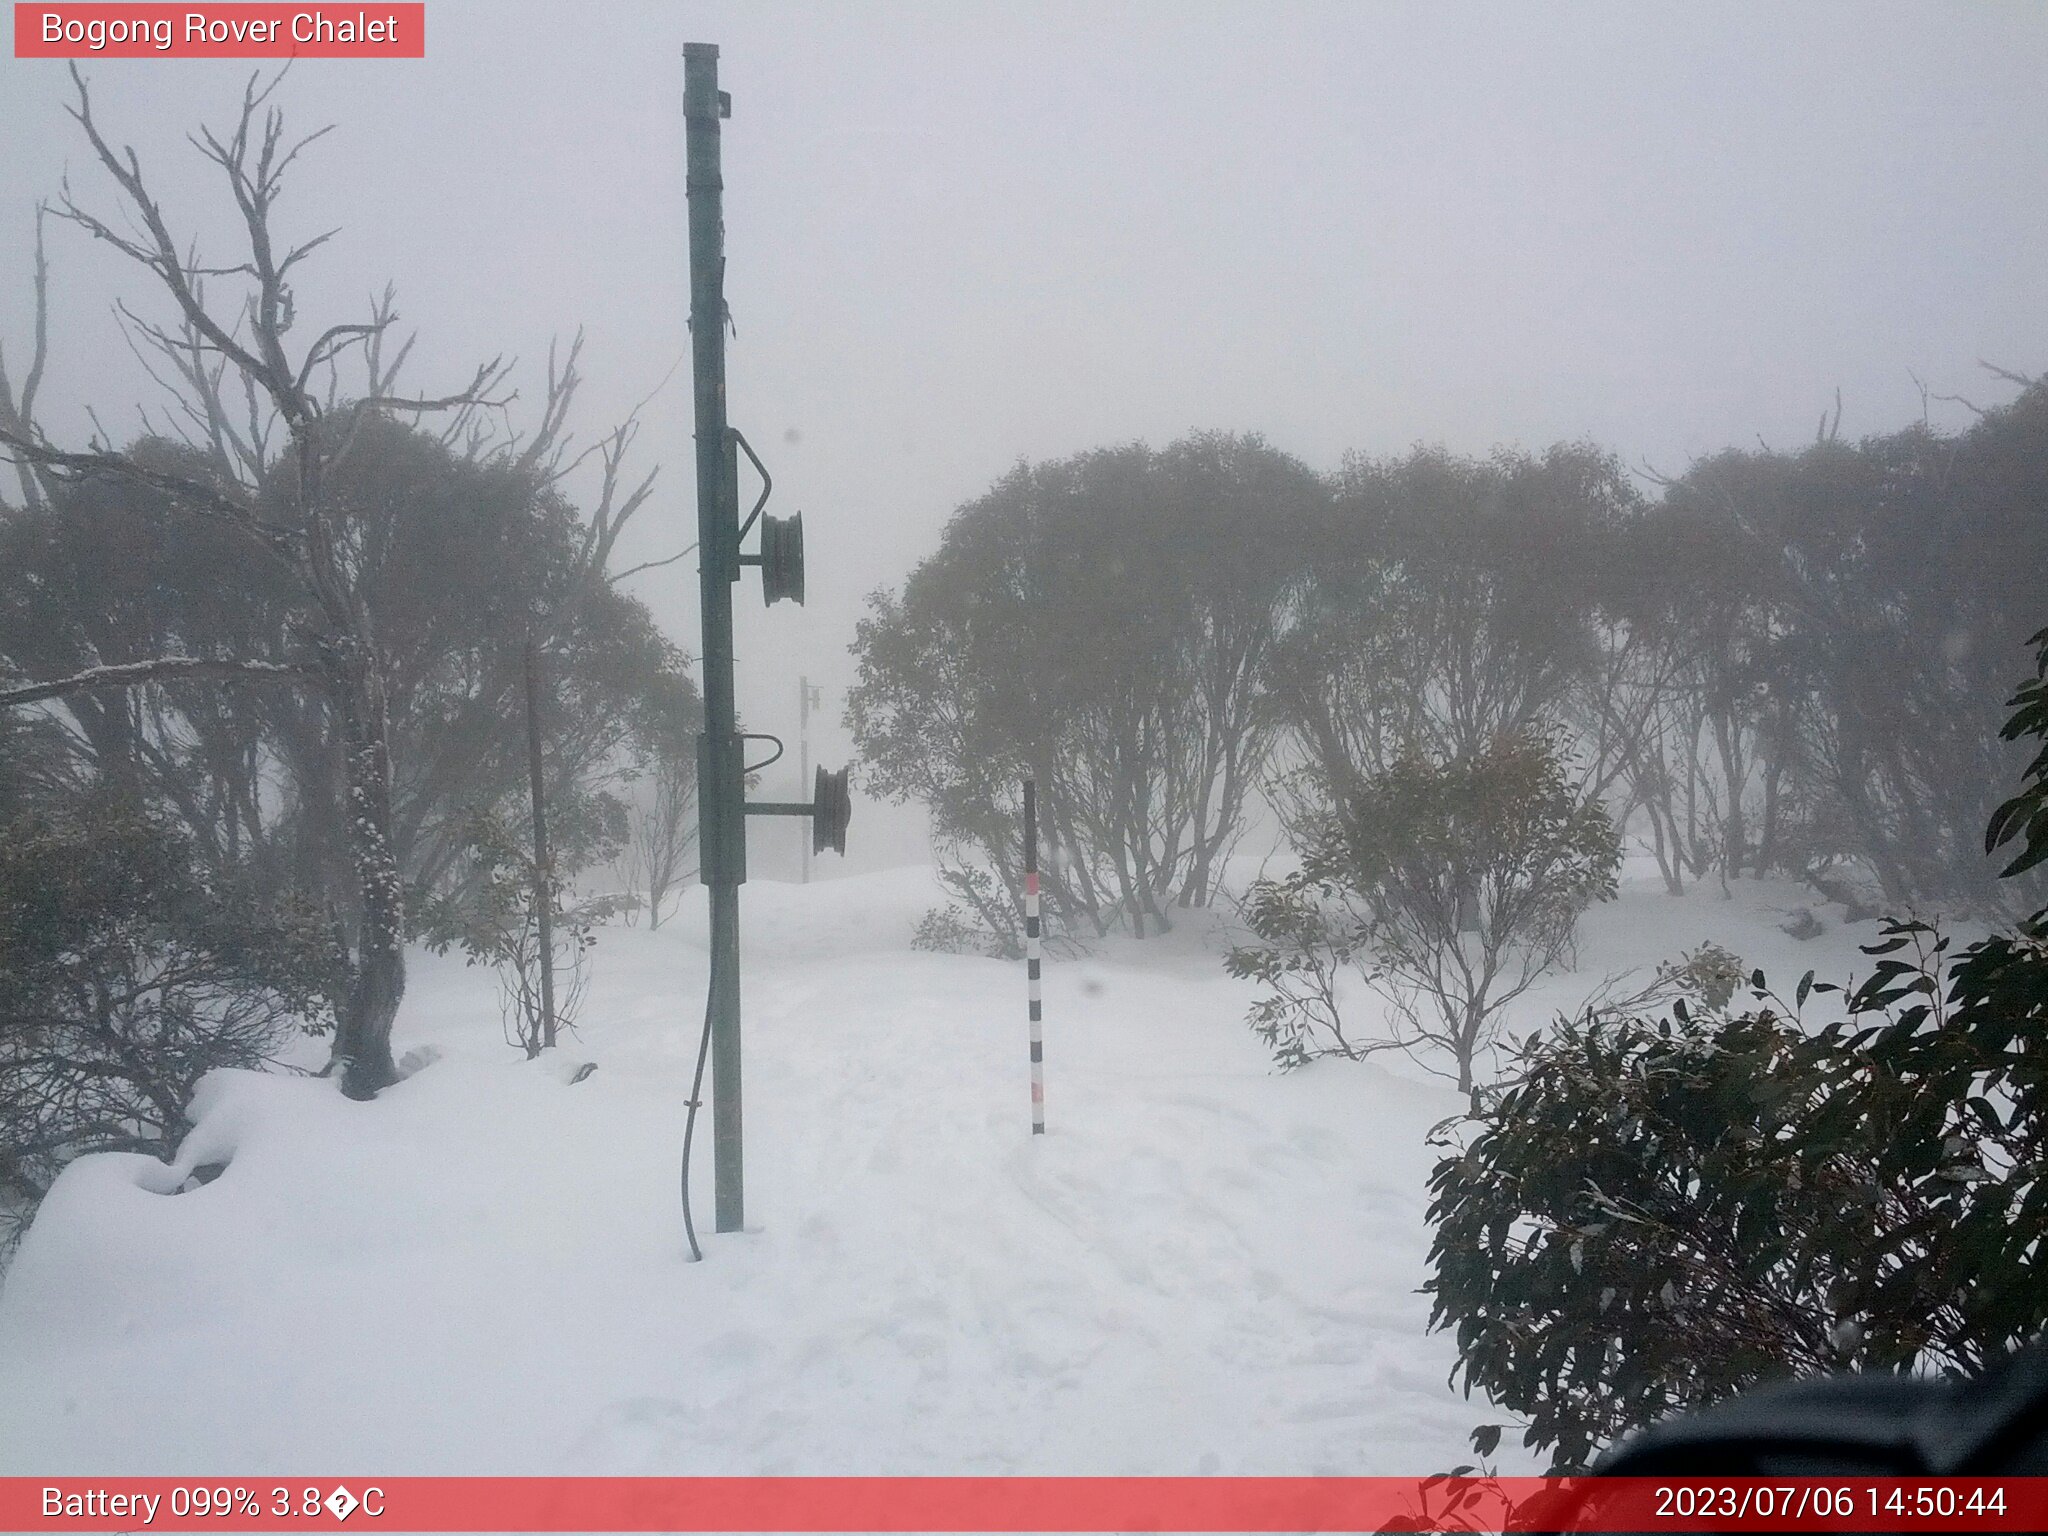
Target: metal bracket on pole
767,484
830,808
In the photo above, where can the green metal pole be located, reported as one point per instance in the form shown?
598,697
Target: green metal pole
803,762
721,811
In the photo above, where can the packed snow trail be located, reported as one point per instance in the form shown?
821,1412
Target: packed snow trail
1204,1266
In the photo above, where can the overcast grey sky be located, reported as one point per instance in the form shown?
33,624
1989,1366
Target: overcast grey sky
960,234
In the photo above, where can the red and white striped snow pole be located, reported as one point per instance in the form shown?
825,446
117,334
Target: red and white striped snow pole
1032,956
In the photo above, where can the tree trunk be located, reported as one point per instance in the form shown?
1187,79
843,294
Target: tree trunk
1670,863
1767,837
362,1043
543,881
1735,774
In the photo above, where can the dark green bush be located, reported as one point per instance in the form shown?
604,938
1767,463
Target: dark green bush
1653,1214
124,978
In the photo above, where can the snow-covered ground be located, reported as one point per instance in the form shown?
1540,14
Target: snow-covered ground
1204,1267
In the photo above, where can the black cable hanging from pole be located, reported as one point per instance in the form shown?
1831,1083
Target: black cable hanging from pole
695,1100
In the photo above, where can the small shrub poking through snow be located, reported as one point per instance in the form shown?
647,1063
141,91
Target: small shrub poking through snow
500,928
949,931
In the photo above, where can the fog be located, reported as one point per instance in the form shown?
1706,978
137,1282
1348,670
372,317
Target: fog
961,235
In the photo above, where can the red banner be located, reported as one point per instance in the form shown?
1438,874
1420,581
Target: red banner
1022,1504
101,31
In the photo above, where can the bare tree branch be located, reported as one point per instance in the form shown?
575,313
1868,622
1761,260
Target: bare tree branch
19,416
160,255
333,341
488,377
548,443
384,314
2024,381
648,565
161,669
1969,405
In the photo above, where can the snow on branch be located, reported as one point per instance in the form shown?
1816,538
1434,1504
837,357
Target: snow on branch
162,669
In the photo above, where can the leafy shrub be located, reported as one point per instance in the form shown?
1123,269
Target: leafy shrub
2025,816
949,930
1451,886
498,925
1309,943
983,916
1655,1214
125,978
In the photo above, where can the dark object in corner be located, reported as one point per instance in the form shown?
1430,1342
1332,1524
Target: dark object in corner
1883,1425
1866,1424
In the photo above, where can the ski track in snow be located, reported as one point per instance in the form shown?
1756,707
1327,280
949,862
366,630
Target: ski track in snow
1204,1267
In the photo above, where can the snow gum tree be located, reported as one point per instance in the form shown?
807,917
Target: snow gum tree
1447,602
282,510
1102,624
1849,659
